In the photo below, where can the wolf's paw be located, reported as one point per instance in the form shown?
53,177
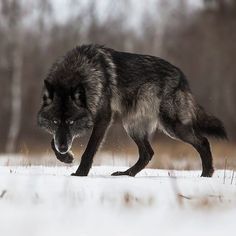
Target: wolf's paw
80,173
73,174
118,173
207,173
66,158
69,158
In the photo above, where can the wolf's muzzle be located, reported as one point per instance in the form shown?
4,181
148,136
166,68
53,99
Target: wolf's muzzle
62,140
62,148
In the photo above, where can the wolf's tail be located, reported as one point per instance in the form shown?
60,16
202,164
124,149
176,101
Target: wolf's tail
209,125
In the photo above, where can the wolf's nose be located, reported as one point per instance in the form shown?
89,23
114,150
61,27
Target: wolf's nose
63,148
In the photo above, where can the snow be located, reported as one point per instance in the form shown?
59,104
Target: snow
43,200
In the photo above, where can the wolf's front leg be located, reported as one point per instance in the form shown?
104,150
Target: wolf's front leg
66,158
99,130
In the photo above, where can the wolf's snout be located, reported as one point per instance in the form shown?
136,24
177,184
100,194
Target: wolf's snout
63,148
63,140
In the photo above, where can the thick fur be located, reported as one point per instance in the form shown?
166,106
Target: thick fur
209,125
90,83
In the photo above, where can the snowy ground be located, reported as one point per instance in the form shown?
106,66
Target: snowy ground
38,200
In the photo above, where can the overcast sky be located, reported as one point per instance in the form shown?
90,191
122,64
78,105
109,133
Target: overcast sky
63,8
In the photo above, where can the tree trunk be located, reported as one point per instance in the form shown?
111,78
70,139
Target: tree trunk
16,101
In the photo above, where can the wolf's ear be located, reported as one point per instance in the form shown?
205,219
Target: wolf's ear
47,93
78,95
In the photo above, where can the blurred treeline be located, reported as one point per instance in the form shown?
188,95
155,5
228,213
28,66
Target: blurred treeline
201,41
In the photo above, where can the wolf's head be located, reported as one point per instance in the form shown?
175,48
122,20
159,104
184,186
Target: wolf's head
64,114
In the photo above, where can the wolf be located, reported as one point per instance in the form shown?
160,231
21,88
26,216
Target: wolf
86,87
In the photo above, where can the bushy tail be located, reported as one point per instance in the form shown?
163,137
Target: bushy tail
210,125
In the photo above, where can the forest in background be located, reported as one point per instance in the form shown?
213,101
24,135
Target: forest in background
201,42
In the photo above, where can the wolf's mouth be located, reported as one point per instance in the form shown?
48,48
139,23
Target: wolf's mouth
62,149
63,152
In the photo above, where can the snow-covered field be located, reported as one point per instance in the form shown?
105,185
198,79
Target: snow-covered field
39,200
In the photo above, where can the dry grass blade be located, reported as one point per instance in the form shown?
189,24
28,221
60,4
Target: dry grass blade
185,197
232,178
225,170
3,193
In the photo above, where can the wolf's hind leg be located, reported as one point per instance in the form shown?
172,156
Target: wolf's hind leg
187,134
145,155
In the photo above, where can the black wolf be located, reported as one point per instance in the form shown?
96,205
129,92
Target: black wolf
86,87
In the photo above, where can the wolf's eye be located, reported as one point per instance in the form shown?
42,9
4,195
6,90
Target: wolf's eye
56,122
70,122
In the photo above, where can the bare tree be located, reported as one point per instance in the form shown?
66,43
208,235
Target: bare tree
12,12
